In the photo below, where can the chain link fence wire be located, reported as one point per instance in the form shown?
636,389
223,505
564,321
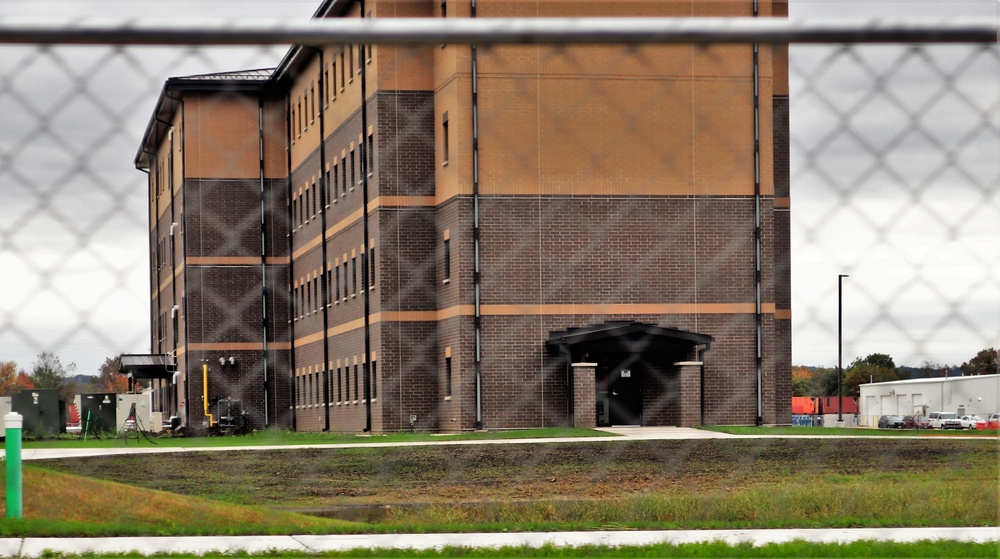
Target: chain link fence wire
894,179
894,169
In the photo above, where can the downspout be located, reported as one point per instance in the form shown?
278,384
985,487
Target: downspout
476,271
701,383
757,241
324,190
291,261
173,279
366,362
571,395
263,256
154,278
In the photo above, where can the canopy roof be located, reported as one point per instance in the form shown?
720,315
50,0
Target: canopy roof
147,366
634,337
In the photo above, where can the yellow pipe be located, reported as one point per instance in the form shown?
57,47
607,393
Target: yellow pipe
204,376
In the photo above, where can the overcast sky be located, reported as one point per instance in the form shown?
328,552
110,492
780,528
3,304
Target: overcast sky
898,190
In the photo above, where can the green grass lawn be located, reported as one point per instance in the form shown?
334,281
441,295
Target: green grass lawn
582,485
277,437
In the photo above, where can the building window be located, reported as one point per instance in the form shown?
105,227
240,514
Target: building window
371,268
444,138
336,292
371,155
343,65
343,178
316,199
444,8
305,200
301,129
333,75
354,276
345,278
353,170
312,101
356,375
326,79
325,187
447,259
350,60
308,306
329,285
315,284
333,185
374,379
364,271
447,377
295,129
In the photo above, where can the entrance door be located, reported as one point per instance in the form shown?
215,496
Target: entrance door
625,396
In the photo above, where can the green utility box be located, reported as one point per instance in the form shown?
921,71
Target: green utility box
40,408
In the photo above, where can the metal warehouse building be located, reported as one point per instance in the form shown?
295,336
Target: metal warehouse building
972,395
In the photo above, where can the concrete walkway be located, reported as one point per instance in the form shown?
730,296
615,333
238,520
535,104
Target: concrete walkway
631,433
36,547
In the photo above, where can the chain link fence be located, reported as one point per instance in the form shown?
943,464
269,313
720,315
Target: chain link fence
894,177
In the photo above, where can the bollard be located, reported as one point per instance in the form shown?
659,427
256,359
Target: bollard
12,451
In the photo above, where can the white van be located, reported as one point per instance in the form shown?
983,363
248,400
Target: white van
944,420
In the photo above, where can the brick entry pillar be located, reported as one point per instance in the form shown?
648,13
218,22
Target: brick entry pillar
689,373
584,395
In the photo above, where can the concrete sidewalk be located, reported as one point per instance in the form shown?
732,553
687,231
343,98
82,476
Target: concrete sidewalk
625,433
36,547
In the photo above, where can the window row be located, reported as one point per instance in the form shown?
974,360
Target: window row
346,384
344,281
340,177
165,252
343,65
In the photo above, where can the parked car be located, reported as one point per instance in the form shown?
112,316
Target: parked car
944,420
993,421
916,422
890,422
971,421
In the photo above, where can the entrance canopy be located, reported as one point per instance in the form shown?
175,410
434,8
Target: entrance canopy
629,337
147,366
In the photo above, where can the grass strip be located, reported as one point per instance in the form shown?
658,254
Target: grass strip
289,438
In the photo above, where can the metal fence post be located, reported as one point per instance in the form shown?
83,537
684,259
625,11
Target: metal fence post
12,457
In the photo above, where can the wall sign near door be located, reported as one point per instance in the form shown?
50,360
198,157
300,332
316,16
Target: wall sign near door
626,373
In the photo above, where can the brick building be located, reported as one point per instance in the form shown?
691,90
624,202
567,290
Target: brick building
552,235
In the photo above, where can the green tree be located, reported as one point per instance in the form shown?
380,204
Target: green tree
825,382
877,367
985,362
48,372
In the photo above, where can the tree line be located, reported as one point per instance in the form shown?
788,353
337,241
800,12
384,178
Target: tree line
879,367
48,371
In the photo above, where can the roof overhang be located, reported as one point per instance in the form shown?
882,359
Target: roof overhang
147,366
632,337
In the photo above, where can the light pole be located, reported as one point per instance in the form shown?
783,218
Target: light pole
840,348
